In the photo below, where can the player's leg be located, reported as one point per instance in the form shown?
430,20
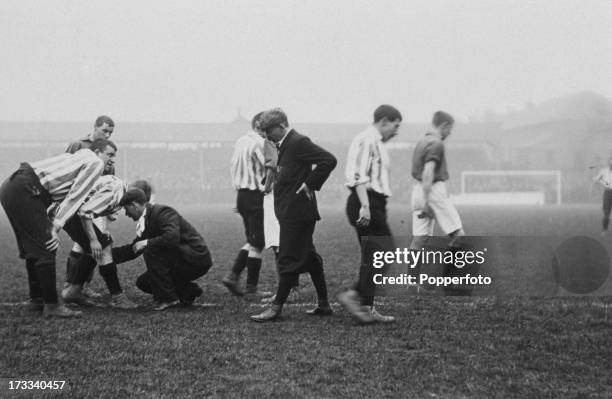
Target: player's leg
34,287
232,277
317,274
108,268
84,265
271,227
257,241
360,299
73,258
77,258
102,224
445,212
607,207
286,280
271,235
378,227
422,229
290,262
422,224
25,202
36,301
450,223
108,271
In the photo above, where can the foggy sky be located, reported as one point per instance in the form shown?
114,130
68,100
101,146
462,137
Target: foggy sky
322,61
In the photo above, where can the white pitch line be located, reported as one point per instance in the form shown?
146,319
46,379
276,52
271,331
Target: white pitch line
336,304
202,305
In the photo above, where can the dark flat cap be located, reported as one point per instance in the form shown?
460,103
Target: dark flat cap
133,195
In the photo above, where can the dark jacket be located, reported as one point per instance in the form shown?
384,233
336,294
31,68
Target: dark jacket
165,228
296,157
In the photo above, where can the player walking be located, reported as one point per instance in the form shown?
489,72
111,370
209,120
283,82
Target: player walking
247,171
367,176
604,177
430,200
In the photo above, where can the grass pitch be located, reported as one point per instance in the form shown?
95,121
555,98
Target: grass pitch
440,346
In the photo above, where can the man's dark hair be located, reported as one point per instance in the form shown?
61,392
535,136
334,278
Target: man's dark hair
441,117
387,111
255,120
102,119
145,186
101,144
272,118
133,195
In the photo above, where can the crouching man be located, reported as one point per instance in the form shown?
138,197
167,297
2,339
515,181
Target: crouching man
174,252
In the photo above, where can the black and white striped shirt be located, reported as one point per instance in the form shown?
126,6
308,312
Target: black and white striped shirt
247,166
368,162
103,199
68,178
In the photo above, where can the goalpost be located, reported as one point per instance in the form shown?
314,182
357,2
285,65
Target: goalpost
510,187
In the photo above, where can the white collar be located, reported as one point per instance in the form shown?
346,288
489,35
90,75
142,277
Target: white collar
280,142
374,132
140,225
253,134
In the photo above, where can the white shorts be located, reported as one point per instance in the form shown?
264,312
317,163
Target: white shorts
271,226
445,212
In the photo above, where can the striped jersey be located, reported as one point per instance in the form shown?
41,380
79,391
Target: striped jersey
368,162
247,165
103,199
86,143
68,178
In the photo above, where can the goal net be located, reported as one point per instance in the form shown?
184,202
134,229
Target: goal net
510,187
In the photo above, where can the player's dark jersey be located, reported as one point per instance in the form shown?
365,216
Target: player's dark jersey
78,145
429,148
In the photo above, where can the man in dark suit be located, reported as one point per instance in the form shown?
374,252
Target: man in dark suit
295,206
174,252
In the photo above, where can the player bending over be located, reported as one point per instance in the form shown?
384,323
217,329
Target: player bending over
26,195
89,229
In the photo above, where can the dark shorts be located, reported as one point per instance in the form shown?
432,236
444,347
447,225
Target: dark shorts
377,227
25,202
249,204
76,231
297,253
607,202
